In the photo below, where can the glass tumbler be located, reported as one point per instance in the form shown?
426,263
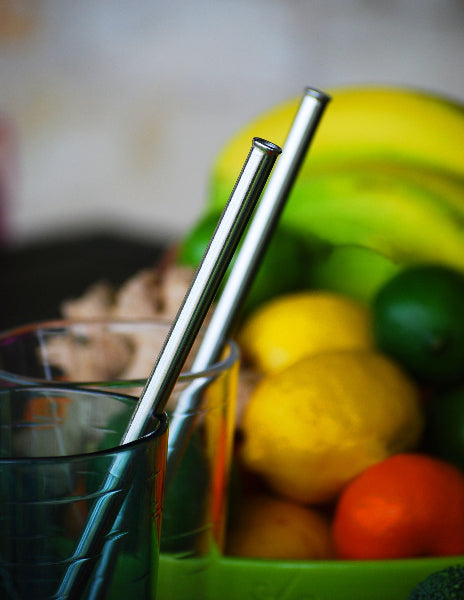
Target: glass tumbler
57,445
119,355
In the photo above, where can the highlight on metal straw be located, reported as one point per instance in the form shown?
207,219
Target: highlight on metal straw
171,359
248,259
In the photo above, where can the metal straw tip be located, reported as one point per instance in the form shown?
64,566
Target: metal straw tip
266,146
318,94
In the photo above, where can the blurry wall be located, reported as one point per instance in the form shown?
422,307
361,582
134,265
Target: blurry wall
119,108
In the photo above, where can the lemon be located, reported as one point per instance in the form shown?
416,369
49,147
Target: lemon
268,527
310,428
292,326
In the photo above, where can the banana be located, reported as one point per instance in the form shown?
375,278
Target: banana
359,271
383,186
376,222
394,217
391,125
391,215
387,212
448,188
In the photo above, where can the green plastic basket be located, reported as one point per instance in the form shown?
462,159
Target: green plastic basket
224,578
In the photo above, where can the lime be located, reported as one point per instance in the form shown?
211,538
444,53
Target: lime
193,245
444,427
355,271
281,269
418,319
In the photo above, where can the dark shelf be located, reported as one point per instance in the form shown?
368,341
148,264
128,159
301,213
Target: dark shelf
35,279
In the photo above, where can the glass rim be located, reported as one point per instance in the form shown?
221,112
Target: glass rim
185,376
160,430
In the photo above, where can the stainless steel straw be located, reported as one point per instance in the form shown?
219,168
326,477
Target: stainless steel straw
171,359
247,261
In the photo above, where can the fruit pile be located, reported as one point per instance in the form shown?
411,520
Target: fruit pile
339,424
351,443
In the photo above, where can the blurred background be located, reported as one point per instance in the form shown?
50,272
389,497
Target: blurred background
113,112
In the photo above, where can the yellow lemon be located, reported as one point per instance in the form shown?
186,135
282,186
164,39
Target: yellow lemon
313,426
292,326
269,527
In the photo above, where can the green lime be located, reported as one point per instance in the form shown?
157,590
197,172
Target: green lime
444,428
282,268
353,271
193,245
418,319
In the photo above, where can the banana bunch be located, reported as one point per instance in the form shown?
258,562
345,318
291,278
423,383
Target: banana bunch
382,186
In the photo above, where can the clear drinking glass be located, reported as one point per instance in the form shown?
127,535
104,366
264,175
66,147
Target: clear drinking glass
57,445
119,355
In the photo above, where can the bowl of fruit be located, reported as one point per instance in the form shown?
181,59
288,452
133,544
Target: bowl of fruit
347,479
348,475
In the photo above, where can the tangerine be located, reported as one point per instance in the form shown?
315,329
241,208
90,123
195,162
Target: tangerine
407,505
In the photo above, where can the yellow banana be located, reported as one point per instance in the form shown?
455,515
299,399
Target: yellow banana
375,222
447,188
395,126
391,215
383,185
358,271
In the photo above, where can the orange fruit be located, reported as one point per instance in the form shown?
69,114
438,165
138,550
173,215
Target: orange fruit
407,505
265,526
